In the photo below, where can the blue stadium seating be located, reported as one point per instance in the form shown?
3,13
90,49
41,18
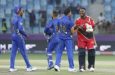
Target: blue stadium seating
16,2
23,2
43,4
2,13
84,3
64,2
78,1
3,2
9,1
113,13
37,5
107,2
113,4
6,7
49,9
108,8
108,16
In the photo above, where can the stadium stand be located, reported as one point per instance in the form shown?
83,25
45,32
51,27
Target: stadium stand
6,10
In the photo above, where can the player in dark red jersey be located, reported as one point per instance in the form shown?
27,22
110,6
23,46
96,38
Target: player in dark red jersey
85,40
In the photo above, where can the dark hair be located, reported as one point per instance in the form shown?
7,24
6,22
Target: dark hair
67,11
55,13
82,8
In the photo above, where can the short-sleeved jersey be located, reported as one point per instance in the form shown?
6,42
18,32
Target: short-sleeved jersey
52,28
80,22
65,27
18,28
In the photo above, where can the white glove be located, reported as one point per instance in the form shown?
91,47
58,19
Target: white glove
88,28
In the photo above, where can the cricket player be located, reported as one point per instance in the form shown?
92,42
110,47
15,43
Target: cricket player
18,42
52,30
66,41
85,40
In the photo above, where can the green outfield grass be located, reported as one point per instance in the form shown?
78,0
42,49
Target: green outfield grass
105,65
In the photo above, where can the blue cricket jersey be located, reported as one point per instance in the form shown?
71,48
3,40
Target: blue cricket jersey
17,23
52,28
65,27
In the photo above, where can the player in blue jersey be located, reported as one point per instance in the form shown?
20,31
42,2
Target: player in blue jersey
52,30
65,40
18,42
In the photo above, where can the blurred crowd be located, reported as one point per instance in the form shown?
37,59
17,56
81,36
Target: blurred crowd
103,25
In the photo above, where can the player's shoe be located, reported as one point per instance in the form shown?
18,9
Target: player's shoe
56,68
81,70
31,69
91,69
12,70
72,70
51,67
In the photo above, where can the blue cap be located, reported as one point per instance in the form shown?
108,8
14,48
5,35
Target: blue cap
17,9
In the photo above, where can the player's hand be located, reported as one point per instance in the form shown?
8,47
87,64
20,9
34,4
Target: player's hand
73,29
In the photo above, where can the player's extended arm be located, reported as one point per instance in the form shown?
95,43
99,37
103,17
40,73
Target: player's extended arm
74,29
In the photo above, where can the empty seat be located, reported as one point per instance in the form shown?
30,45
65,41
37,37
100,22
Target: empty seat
16,3
23,2
3,2
49,9
107,2
78,2
113,13
29,6
84,3
108,16
2,13
113,4
10,1
8,11
107,8
36,5
43,3
64,2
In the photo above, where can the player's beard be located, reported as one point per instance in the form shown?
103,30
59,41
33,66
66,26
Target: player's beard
21,14
83,16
